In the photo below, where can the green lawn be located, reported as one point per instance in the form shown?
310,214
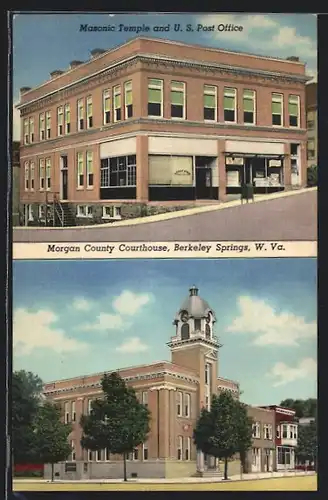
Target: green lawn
304,483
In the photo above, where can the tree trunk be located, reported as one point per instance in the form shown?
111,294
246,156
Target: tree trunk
225,468
124,466
52,472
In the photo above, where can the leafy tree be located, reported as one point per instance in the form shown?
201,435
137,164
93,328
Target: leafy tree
224,430
307,448
26,395
312,176
117,422
302,407
50,436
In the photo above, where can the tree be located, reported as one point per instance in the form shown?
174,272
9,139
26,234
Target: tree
307,448
50,436
224,430
302,407
117,422
26,395
312,176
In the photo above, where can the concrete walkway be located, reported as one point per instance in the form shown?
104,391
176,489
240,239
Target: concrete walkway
180,480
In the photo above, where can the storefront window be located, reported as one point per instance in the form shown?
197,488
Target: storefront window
118,172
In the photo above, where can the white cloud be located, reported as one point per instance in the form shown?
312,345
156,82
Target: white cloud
104,322
81,304
268,326
284,374
265,34
35,330
16,124
132,345
129,303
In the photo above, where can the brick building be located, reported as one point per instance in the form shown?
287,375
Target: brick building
312,123
175,391
15,183
158,122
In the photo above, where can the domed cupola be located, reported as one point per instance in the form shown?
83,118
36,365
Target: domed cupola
194,320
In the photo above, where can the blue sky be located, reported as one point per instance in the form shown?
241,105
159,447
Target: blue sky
81,317
44,42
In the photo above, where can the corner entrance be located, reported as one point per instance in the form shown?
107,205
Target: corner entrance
204,178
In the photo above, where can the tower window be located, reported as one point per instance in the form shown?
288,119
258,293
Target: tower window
208,331
198,324
185,333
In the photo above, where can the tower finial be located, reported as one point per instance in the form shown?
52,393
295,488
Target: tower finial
193,290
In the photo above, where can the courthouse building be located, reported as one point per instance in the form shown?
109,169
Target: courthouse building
159,122
174,391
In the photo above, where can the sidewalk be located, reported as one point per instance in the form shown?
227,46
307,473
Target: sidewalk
245,477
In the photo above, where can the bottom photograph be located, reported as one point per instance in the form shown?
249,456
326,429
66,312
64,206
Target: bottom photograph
187,374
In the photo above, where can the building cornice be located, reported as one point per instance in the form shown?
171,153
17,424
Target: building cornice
100,77
179,344
131,378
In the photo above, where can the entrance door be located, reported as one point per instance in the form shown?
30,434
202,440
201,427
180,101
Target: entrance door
64,178
204,188
247,174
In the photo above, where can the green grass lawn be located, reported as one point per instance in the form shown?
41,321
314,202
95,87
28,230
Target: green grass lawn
303,483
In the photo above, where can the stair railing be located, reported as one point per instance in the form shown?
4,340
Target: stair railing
58,209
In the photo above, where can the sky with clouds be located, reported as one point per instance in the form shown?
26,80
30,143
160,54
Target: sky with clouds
44,42
80,317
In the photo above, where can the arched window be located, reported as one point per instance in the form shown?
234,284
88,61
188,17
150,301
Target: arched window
185,332
208,331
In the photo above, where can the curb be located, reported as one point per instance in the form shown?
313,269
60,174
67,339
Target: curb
174,215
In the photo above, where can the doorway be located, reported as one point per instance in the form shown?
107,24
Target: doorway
64,179
204,177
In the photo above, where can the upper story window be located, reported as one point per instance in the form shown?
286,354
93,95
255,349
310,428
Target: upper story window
128,100
80,170
42,126
294,110
106,107
285,431
66,412
117,103
310,120
89,112
48,173
185,331
31,130
187,405
155,97
60,121
26,175
73,412
230,105
32,174
249,99
210,103
89,169
178,100
278,432
293,431
41,173
267,431
48,124
26,131
277,109
179,404
256,430
80,114
89,406
145,398
67,118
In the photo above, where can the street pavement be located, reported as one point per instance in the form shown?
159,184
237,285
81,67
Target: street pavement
290,218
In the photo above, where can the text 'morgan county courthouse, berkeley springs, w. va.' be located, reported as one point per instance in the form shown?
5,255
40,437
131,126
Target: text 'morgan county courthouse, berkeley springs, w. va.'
175,392
159,122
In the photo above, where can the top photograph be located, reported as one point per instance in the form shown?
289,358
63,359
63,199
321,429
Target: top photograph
164,127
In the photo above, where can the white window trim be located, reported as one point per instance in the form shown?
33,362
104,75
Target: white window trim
73,454
42,174
125,105
41,212
254,103
89,406
257,434
115,216
105,456
215,93
186,405
73,416
298,111
48,115
60,113
188,447
235,96
106,95
97,458
80,114
89,101
88,155
32,176
42,126
157,87
179,408
145,398
67,107
31,127
180,447
80,157
26,176
81,215
184,113
66,412
26,130
29,210
144,447
48,175
282,109
117,91
267,431
90,452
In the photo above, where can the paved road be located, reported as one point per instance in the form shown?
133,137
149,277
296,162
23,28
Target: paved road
290,218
